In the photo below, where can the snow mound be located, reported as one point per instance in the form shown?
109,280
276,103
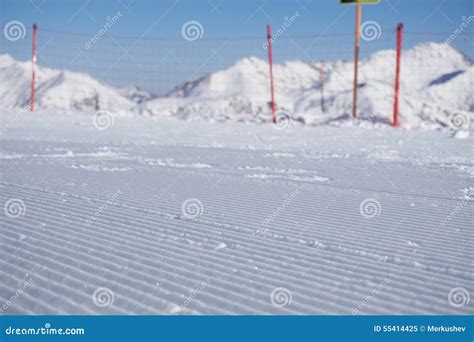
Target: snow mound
430,93
56,89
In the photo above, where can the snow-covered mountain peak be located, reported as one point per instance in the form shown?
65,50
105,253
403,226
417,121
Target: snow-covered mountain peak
242,91
6,59
436,51
251,61
56,89
436,80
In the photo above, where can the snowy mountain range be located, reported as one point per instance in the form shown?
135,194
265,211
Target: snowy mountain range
136,94
56,89
436,80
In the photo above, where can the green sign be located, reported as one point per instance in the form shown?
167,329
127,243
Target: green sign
353,2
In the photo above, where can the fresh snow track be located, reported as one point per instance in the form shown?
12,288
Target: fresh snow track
279,209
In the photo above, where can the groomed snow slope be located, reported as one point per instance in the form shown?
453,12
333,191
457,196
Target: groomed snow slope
344,220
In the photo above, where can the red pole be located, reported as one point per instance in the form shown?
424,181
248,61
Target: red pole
397,73
321,81
270,63
33,73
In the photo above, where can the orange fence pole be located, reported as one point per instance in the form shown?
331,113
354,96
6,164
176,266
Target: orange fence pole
356,58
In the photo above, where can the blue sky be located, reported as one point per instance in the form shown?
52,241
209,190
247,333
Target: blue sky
233,17
219,18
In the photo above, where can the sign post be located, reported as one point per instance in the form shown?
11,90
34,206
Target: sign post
358,3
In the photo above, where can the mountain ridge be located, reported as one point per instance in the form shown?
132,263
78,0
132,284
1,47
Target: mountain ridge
436,81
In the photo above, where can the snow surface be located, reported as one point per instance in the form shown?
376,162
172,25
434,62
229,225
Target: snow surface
275,211
437,81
